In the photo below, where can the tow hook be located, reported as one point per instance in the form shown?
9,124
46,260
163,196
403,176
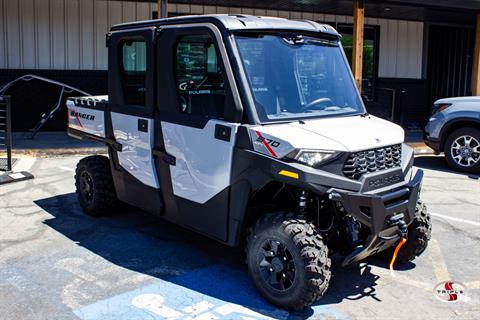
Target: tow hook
402,232
400,223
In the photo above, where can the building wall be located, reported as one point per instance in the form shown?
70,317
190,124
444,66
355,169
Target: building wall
70,34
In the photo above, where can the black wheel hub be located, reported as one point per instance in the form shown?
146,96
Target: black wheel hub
86,186
277,267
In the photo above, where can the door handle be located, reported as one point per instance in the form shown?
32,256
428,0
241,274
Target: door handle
115,145
142,125
167,158
223,132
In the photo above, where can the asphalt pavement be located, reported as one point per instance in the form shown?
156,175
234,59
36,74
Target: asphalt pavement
58,263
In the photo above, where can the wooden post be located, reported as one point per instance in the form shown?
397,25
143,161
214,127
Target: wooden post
357,54
476,62
162,8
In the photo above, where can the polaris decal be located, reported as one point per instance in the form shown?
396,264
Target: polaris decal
384,181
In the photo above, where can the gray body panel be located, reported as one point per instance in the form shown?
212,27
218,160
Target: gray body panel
461,109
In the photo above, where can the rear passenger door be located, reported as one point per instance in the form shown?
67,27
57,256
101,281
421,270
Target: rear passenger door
130,122
198,119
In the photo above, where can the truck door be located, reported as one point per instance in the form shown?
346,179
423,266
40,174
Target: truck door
198,116
130,118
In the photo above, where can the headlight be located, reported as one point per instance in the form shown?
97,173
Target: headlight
440,107
311,158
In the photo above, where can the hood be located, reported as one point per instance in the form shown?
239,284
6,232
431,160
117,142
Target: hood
474,99
337,134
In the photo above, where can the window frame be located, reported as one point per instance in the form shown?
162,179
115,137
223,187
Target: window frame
167,102
178,40
116,100
122,71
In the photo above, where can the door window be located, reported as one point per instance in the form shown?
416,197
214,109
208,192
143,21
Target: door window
133,71
198,76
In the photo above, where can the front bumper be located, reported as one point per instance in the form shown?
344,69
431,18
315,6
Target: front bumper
375,211
433,143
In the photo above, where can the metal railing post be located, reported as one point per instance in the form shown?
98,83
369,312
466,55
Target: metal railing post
8,132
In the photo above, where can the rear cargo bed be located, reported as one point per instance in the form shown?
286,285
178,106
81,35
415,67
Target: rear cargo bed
86,117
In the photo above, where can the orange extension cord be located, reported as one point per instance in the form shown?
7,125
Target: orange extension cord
395,253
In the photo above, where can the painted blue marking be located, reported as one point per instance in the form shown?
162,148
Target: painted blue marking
216,292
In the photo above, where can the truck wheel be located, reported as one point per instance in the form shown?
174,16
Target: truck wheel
419,233
462,150
94,184
287,261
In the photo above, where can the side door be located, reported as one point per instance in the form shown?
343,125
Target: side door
198,116
130,117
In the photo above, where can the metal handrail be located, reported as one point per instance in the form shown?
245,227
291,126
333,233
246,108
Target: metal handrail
65,88
29,77
5,101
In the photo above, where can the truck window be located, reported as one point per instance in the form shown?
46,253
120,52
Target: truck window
199,79
133,71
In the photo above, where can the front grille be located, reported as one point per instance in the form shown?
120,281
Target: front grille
373,160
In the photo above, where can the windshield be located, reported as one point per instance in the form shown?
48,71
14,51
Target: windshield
296,77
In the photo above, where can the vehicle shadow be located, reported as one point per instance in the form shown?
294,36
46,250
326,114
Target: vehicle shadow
143,243
438,163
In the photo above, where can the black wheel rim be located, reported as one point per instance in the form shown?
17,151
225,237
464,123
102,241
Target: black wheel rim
86,186
277,267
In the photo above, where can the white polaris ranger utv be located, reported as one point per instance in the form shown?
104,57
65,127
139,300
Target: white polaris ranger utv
250,130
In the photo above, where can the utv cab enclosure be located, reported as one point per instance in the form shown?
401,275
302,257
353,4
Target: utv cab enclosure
251,131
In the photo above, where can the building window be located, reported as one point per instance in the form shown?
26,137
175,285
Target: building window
199,77
133,71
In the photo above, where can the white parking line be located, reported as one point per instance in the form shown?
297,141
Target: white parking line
24,164
439,266
473,285
67,168
441,216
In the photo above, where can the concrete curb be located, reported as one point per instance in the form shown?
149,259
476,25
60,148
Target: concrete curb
419,149
56,152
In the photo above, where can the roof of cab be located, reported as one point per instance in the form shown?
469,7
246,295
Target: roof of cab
236,22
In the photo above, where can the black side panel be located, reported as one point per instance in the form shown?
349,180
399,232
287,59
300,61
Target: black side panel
209,218
241,190
163,170
132,191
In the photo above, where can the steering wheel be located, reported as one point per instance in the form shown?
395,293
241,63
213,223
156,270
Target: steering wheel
314,103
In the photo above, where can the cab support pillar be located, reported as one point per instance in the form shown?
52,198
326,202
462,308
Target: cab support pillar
357,54
162,8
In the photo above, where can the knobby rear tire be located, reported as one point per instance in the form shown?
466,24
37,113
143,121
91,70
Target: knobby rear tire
101,198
